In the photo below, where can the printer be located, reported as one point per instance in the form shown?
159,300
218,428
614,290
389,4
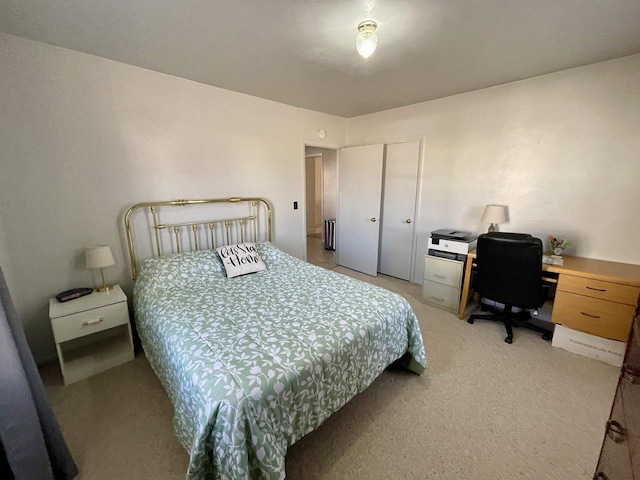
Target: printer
452,244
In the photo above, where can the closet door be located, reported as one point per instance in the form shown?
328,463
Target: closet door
398,210
359,198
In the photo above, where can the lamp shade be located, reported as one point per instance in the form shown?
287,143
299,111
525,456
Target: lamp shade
99,257
494,214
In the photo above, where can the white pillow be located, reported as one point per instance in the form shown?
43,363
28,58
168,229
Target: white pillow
240,259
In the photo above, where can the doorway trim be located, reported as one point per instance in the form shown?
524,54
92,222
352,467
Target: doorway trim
315,155
327,146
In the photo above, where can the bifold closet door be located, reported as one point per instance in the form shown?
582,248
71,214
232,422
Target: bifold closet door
359,198
398,209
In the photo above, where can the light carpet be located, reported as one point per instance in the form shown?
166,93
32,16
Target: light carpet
483,410
317,255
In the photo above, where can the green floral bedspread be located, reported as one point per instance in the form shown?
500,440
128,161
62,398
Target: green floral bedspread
254,363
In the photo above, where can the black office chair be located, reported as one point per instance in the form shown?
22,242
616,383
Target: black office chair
510,272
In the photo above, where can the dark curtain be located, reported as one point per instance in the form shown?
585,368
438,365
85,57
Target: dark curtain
31,444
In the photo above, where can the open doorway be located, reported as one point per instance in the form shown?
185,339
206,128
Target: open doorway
321,197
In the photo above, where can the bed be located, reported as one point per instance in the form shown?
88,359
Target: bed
252,364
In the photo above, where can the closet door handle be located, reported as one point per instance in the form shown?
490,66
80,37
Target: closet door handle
408,220
373,219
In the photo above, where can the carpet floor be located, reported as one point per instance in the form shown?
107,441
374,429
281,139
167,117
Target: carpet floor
482,410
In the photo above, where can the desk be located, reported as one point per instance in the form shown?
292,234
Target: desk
594,296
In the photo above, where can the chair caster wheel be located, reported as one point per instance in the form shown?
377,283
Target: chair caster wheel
546,336
509,340
470,320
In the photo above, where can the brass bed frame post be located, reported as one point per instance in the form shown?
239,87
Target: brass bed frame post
176,230
194,227
226,226
254,209
269,232
132,253
241,222
213,240
154,214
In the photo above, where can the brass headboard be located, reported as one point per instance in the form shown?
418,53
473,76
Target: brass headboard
201,234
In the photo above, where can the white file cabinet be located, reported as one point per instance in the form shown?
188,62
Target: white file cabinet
92,333
442,282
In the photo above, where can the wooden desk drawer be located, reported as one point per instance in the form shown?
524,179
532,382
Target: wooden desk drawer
89,321
441,295
442,270
592,315
614,292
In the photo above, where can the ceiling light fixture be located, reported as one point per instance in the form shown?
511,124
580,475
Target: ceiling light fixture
367,40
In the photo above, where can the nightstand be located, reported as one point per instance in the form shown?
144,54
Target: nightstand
92,333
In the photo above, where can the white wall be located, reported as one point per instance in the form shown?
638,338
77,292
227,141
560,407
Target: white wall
83,138
311,193
317,201
5,259
329,179
330,182
561,150
5,262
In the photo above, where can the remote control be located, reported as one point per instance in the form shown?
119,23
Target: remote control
73,293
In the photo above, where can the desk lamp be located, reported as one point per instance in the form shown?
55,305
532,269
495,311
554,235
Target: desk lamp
100,257
494,214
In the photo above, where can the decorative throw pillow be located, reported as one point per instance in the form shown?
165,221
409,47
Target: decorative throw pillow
240,259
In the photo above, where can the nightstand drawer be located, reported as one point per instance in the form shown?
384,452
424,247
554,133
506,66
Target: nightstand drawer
614,292
592,315
90,321
442,270
441,295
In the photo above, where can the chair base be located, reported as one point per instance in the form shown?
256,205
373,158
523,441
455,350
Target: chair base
506,316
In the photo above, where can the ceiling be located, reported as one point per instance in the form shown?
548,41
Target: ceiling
303,52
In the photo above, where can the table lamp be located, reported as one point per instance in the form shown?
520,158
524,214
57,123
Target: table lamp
494,214
100,257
